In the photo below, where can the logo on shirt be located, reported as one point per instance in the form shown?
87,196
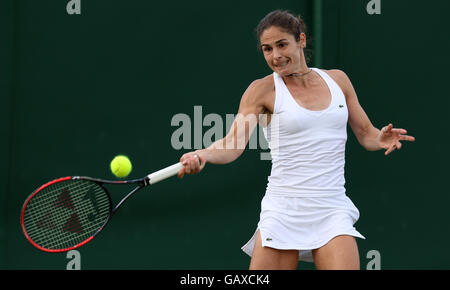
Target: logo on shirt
341,106
269,239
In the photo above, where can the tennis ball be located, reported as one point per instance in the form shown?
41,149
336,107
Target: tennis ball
121,166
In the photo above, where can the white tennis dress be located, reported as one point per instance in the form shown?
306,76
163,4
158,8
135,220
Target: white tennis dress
305,204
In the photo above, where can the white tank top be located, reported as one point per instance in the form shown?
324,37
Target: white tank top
307,147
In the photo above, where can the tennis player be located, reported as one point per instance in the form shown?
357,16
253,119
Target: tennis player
305,213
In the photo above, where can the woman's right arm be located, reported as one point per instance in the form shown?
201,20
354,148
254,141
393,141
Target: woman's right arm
229,148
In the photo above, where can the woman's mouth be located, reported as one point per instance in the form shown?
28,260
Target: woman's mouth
282,65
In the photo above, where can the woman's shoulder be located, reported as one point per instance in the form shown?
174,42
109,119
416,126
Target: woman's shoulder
340,77
263,85
260,93
335,73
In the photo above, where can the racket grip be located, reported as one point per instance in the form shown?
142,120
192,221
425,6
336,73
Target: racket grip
164,173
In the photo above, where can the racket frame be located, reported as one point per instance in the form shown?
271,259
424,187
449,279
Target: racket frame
142,182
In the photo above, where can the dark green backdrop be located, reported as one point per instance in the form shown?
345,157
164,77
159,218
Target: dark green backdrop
77,90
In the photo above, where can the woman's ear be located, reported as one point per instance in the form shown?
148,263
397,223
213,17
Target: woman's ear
302,40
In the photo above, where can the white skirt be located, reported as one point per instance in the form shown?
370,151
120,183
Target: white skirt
304,223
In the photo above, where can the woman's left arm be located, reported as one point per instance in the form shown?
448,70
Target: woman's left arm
371,138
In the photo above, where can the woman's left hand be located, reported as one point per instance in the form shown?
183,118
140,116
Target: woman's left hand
390,138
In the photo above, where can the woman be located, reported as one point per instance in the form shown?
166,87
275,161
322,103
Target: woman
305,213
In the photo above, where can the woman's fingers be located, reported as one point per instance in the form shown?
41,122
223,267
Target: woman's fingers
191,164
389,128
397,145
184,169
407,138
181,173
390,149
194,164
399,131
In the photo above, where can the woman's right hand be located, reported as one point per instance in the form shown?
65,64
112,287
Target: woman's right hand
193,163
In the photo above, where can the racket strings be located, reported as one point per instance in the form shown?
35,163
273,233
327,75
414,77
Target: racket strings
66,213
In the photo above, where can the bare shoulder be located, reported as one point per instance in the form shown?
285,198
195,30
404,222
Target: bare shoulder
261,93
341,78
338,75
263,85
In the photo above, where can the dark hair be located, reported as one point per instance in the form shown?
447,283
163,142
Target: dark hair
283,19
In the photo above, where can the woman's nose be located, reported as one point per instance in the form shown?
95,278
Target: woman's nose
276,54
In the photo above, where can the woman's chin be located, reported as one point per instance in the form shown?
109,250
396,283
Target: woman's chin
283,71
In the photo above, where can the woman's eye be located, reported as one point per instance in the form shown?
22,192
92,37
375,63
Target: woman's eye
267,49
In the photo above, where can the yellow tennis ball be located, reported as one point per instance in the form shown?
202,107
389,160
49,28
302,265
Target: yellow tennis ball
121,166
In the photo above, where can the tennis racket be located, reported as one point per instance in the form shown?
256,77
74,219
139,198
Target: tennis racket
67,213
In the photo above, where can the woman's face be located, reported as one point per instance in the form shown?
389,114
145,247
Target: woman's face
282,52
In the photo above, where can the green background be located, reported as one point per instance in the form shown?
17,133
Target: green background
76,90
